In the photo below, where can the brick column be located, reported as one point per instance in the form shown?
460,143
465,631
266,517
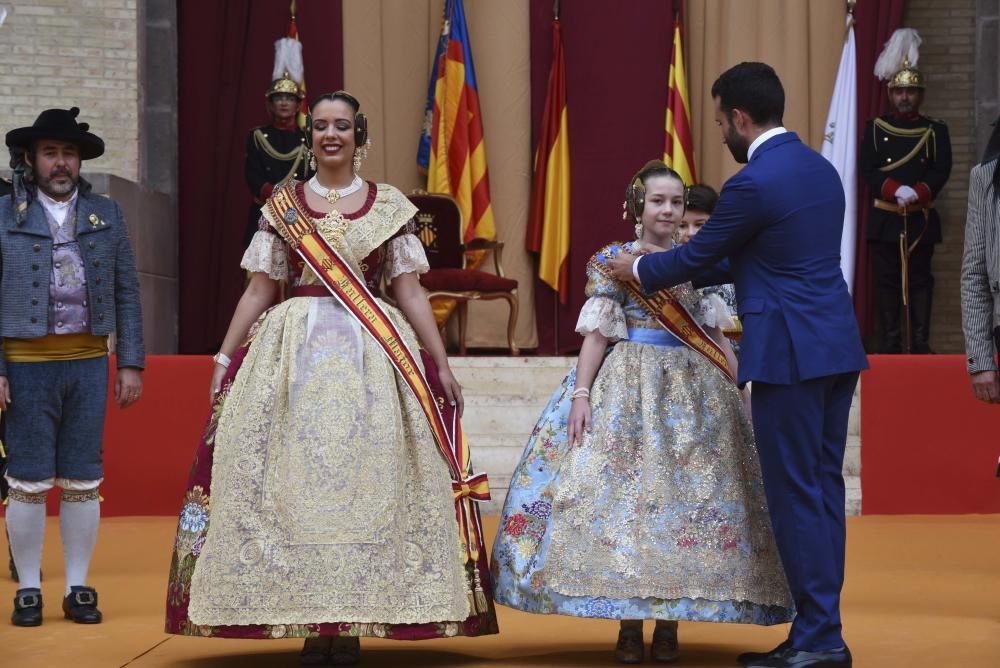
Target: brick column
948,59
987,69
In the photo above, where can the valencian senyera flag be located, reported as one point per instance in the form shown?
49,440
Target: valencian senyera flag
678,148
452,148
840,146
548,221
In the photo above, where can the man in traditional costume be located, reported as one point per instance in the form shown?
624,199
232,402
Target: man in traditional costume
906,160
67,282
277,151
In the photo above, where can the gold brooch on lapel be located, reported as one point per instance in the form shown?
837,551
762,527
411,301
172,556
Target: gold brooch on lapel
95,221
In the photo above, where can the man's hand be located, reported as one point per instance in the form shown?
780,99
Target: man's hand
986,387
4,392
621,267
128,386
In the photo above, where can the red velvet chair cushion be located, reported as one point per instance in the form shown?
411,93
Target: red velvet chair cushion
465,280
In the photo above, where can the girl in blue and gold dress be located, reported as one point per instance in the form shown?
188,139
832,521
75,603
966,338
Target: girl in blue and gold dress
639,493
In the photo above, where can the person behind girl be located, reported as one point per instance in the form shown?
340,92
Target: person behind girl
699,203
639,492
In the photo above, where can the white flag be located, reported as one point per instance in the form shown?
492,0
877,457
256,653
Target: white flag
840,147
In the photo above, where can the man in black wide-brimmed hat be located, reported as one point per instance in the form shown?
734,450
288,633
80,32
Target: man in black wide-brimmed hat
67,282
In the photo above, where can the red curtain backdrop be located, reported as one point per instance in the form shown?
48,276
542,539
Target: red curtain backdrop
224,68
874,22
617,65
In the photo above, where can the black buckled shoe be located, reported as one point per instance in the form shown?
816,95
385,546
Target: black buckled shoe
27,608
80,605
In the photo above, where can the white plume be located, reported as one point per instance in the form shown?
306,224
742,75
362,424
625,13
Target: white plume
288,58
904,44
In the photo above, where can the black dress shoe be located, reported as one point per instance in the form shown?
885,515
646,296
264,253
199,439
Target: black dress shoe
80,605
27,608
747,657
796,658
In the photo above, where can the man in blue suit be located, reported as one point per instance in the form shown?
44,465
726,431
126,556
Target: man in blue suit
775,233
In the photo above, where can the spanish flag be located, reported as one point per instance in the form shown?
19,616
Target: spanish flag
453,150
678,149
548,223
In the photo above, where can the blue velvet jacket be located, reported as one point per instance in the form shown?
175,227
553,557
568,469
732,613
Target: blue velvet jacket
112,282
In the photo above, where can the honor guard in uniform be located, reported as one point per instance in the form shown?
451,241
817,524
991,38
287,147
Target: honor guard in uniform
906,160
277,151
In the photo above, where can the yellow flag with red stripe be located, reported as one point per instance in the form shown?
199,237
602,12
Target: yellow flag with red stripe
549,216
678,150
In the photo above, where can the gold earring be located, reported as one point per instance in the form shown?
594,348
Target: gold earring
360,154
312,159
638,230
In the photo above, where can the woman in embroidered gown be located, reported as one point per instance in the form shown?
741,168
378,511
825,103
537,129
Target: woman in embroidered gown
319,505
639,493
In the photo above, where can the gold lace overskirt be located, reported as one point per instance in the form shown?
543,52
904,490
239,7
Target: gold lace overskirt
663,498
330,499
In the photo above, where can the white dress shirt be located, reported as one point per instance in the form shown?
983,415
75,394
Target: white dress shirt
58,210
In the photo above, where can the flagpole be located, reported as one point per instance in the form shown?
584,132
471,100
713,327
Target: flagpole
556,303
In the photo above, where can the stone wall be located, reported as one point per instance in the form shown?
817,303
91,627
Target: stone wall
151,220
948,59
83,53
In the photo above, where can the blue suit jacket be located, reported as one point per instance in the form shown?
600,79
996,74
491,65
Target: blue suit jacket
778,222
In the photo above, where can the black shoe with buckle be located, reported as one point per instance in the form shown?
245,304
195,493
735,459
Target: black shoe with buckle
27,608
80,605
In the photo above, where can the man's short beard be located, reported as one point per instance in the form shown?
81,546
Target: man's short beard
737,145
46,186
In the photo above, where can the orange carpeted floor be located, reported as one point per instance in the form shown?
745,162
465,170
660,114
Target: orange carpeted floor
922,591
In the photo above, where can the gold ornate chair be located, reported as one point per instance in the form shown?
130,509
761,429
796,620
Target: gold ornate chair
439,228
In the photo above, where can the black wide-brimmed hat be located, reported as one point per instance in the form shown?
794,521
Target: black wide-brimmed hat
59,125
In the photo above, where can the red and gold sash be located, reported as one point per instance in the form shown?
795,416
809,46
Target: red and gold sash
298,229
674,318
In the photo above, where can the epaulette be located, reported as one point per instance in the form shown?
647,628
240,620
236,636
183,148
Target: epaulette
935,120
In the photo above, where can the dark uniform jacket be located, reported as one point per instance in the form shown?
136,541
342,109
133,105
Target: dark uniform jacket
272,155
897,151
112,282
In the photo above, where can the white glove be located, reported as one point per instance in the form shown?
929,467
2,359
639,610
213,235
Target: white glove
906,195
